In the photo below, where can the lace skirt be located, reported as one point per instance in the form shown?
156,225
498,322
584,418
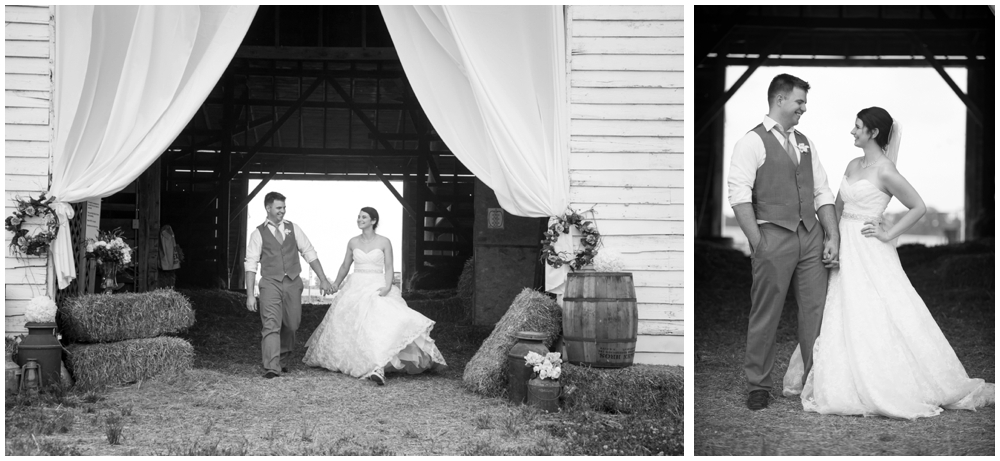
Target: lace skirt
879,351
363,331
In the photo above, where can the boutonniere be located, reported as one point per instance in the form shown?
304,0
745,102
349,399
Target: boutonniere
803,147
288,231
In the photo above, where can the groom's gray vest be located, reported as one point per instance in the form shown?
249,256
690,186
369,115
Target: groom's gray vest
782,192
278,260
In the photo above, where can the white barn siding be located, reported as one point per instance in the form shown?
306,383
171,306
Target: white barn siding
626,154
27,124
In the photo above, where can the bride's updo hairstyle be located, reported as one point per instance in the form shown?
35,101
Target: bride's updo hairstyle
372,214
877,117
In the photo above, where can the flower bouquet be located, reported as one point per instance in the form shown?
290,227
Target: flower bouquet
111,253
544,389
41,309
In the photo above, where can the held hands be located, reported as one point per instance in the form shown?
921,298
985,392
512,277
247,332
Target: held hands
384,290
873,229
326,287
831,253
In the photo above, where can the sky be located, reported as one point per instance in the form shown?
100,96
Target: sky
327,211
932,153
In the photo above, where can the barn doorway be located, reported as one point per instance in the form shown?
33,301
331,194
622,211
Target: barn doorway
318,94
933,124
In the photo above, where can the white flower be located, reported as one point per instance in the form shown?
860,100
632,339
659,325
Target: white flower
803,147
90,247
608,261
40,309
533,358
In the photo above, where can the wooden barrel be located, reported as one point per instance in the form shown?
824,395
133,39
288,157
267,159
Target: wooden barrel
600,319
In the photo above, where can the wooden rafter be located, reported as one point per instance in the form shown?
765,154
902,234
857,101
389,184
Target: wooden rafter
974,111
225,176
399,197
249,198
274,128
716,108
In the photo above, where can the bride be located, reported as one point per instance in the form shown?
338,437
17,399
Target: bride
369,329
879,351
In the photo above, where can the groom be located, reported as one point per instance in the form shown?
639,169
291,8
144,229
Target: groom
777,186
276,245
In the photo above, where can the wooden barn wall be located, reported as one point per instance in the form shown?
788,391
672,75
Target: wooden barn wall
28,116
626,154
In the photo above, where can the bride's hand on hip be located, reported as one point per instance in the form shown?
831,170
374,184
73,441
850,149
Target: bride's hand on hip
384,291
873,229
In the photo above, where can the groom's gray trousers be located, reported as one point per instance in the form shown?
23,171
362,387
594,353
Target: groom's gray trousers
781,260
280,313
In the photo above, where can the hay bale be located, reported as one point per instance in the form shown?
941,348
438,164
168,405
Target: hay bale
486,373
638,389
467,285
116,317
128,361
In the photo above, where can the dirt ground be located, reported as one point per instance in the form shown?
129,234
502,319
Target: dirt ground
224,406
957,284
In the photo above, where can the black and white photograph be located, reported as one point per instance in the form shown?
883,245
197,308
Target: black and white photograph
844,297
330,230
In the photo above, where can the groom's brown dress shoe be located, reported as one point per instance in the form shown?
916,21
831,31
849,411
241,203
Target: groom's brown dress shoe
758,399
270,375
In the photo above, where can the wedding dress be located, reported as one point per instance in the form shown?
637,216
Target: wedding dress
879,351
363,331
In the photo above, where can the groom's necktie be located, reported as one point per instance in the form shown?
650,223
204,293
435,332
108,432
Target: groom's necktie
279,236
788,145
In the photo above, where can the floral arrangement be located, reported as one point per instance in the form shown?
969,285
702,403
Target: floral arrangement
608,261
34,244
546,366
41,309
110,248
590,240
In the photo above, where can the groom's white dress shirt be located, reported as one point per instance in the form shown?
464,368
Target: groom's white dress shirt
254,244
749,155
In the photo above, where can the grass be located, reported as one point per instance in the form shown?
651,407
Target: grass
223,407
963,307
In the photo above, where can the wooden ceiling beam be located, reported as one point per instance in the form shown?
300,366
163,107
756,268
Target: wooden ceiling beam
853,24
321,104
847,61
317,53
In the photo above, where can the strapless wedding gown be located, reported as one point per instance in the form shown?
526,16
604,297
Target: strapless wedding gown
363,331
879,351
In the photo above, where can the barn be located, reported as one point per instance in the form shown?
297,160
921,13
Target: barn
321,93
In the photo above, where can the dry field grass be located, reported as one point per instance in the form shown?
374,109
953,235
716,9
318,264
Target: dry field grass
224,407
957,283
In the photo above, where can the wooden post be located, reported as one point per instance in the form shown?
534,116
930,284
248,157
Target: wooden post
225,189
148,238
420,208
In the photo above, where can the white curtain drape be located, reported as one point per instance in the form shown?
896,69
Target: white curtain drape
127,80
492,81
